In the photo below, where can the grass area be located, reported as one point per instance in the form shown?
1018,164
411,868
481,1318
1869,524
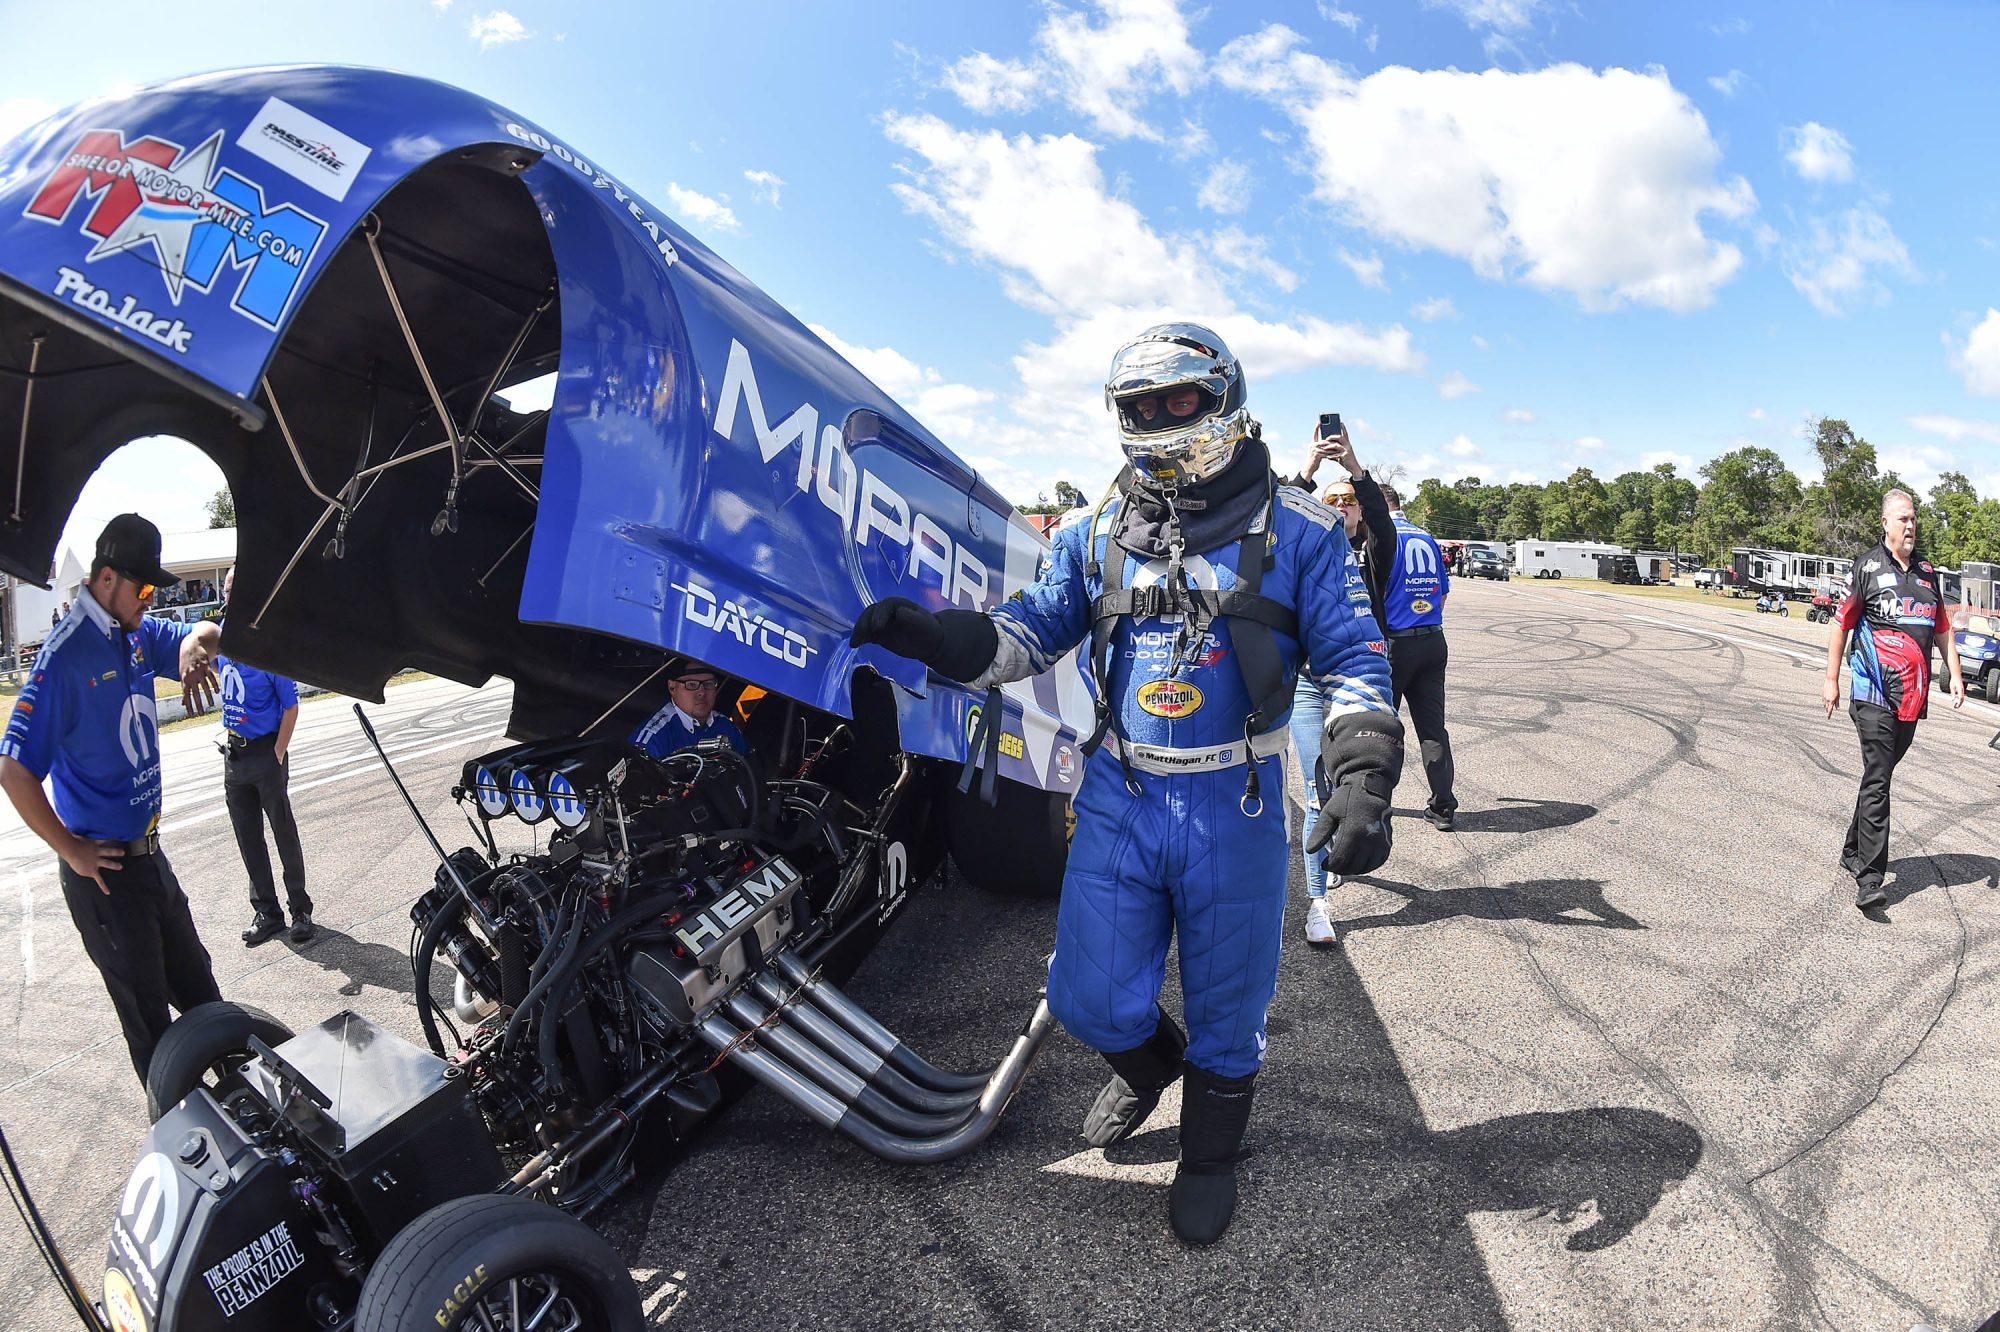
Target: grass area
1670,592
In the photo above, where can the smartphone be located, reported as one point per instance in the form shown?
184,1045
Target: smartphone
1329,425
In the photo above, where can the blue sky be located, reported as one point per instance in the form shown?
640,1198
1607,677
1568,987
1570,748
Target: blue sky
1502,237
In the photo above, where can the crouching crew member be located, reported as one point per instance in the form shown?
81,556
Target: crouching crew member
259,710
1413,610
689,716
85,722
1201,585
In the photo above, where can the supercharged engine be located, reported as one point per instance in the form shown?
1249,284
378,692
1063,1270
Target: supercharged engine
675,920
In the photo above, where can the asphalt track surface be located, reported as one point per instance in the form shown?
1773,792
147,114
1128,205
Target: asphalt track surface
1618,1052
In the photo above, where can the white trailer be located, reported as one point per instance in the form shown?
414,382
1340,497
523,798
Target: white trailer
1561,559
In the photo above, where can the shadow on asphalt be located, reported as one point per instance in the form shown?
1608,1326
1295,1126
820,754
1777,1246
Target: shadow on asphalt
1541,901
1911,875
1520,815
357,963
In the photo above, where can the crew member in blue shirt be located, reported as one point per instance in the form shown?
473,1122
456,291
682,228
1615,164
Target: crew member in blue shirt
1413,612
689,716
85,723
259,710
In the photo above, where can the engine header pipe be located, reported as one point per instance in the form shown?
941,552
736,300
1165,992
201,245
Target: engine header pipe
726,1037
802,1014
872,1033
856,1094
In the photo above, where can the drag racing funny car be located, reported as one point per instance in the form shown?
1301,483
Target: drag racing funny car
484,411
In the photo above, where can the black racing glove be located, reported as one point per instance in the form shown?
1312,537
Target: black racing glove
1361,759
957,644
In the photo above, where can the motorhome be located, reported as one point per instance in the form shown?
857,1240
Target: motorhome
1792,572
1561,559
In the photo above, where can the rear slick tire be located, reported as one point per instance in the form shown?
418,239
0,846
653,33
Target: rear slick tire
473,1262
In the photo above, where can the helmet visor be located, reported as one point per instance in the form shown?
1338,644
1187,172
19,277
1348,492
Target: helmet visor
1167,409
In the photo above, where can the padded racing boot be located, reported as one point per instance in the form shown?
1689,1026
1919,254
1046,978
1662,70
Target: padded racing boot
1214,1113
1138,1078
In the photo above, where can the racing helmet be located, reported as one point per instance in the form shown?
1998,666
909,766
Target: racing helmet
1178,395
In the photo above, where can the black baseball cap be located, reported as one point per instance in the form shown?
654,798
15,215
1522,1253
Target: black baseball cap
687,666
131,546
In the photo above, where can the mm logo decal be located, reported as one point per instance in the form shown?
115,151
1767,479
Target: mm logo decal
1169,698
176,210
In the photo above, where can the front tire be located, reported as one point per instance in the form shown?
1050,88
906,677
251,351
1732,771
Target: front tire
206,1046
1993,683
1018,848
493,1260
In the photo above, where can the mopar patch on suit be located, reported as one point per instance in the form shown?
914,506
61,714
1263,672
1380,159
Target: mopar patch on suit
1169,698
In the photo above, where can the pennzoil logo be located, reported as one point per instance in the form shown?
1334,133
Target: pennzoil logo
1169,698
184,216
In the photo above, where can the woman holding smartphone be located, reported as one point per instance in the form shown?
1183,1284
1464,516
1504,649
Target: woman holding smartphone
1363,511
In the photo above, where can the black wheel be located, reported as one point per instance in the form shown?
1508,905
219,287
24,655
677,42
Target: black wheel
1018,847
1993,683
206,1047
498,1263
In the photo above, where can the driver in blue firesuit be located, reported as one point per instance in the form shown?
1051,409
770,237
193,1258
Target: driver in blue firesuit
1203,586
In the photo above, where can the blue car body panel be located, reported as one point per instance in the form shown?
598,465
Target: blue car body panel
716,480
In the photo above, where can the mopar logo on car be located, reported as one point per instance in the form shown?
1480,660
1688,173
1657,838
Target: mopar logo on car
564,803
175,209
865,504
528,802
492,796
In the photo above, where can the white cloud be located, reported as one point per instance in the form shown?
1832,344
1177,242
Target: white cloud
1462,447
950,411
1728,84
991,86
17,113
1956,428
1518,416
1595,184
1818,153
1455,386
1734,27
497,29
1682,461
1434,309
698,210
1757,413
1333,13
1979,359
1480,342
440,5
1508,15
765,186
1835,262
1039,213
1250,254
1368,272
1105,73
1588,444
1227,189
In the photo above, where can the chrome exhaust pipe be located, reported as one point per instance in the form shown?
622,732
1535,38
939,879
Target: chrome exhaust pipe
807,1060
723,1033
803,1013
873,1034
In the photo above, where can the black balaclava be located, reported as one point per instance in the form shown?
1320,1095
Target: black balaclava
1211,515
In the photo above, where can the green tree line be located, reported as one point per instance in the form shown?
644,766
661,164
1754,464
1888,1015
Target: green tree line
1746,497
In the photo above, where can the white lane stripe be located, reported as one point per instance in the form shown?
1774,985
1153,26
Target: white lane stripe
357,771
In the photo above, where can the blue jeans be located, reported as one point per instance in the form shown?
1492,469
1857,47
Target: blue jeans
1308,719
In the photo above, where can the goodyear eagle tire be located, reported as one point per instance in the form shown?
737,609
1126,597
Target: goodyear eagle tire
489,1255
204,1047
1018,847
